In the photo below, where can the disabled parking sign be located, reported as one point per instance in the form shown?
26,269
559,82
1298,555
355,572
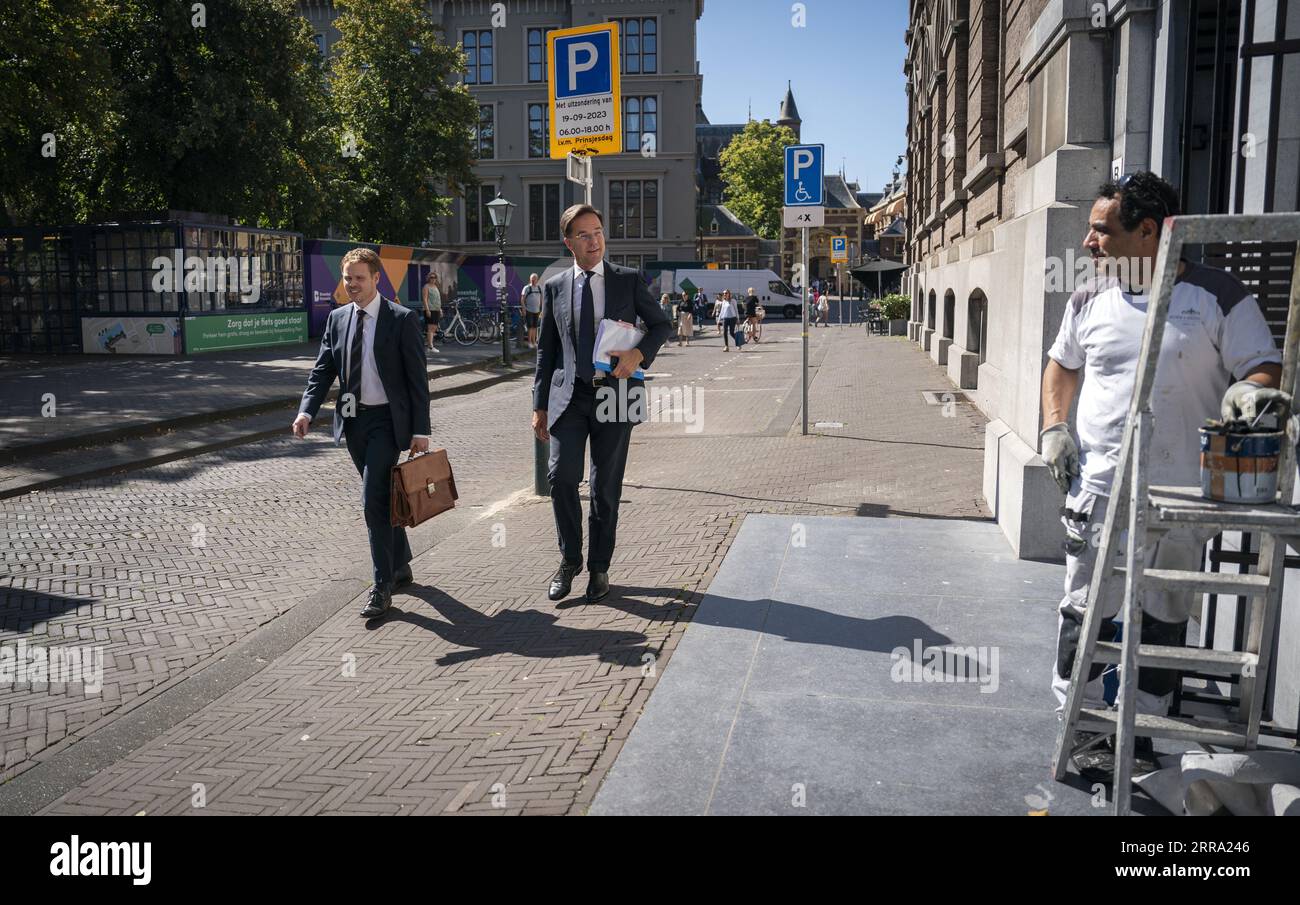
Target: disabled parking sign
584,90
803,175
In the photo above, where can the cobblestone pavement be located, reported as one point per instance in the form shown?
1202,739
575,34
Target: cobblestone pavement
45,400
475,693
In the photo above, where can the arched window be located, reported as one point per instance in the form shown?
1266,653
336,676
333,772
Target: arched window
977,324
949,313
929,312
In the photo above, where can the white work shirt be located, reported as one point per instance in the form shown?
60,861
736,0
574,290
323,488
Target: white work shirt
726,308
597,293
1215,333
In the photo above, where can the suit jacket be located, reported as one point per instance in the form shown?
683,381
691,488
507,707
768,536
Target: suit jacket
626,298
399,358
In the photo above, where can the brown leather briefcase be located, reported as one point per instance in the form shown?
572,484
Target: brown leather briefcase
423,486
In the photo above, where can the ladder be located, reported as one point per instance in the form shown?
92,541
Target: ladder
1146,511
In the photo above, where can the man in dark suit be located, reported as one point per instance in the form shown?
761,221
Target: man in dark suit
570,396
374,346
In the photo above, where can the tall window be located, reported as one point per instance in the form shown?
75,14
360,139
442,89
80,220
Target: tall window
478,50
635,261
537,54
544,212
484,137
478,223
977,325
640,118
539,139
634,209
638,41
320,43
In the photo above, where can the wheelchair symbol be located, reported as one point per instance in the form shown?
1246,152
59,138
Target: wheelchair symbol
802,194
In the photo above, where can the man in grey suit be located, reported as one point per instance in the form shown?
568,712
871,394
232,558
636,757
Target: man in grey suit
571,397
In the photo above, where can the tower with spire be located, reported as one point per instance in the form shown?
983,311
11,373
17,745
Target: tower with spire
790,113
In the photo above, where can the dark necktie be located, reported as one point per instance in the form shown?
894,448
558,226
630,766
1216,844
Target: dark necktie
586,330
354,356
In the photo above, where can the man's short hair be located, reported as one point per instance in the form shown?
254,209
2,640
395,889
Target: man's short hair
1141,195
366,256
573,213
532,276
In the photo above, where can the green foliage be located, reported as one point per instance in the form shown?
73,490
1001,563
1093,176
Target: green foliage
392,84
753,168
53,81
154,105
897,307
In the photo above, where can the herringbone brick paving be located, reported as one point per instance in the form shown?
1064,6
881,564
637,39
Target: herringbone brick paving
477,694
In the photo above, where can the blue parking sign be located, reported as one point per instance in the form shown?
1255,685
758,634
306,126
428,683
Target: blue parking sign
803,175
582,65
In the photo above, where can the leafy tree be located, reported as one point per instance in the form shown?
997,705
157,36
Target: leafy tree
753,169
54,105
405,121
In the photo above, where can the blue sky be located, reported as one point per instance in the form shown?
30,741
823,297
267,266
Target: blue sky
845,65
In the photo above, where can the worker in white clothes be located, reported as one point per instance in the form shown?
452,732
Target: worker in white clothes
1217,360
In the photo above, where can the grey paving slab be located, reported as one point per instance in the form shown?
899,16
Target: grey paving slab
874,757
806,696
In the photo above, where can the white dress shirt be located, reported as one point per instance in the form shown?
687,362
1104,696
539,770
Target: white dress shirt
372,388
597,293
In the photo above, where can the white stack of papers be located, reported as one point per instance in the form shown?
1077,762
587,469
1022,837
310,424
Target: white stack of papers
615,336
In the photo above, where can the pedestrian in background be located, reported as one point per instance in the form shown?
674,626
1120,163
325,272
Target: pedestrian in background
751,314
432,310
531,300
727,317
685,319
666,306
823,309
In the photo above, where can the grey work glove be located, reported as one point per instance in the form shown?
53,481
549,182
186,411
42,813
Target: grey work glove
1060,454
1245,399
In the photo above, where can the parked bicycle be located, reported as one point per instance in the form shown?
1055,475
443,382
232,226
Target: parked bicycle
462,330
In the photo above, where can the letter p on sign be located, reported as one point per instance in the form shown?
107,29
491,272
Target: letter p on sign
575,67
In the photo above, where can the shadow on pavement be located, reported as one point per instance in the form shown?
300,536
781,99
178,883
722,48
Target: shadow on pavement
528,633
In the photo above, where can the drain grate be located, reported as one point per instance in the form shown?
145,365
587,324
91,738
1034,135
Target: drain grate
943,397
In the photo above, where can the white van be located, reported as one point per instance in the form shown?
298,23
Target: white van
773,292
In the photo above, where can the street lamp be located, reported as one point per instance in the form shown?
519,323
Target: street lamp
501,210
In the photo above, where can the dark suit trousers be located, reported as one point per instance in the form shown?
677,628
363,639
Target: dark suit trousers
374,451
609,443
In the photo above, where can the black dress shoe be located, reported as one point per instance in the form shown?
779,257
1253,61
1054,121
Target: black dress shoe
380,599
562,580
403,577
597,586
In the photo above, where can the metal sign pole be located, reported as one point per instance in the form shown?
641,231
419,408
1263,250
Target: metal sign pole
804,291
839,273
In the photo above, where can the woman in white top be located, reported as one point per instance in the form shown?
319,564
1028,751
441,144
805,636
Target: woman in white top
432,309
727,316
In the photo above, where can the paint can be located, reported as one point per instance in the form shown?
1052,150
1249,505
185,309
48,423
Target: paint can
1240,468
